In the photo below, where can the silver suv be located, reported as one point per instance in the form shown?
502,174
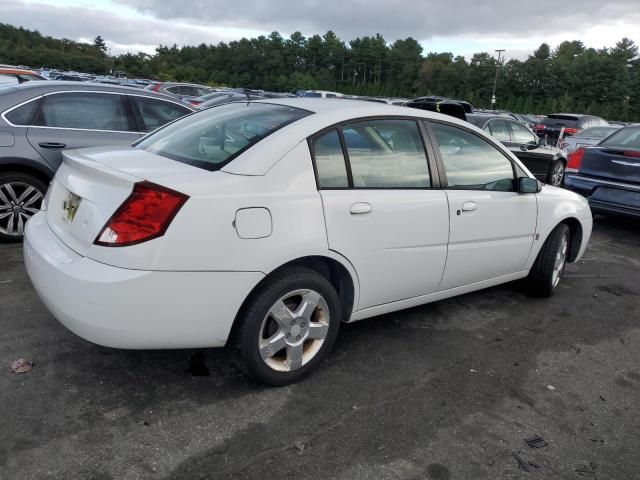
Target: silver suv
40,119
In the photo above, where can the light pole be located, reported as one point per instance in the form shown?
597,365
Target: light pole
495,80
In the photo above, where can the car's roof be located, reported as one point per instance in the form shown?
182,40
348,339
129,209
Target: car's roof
14,94
326,112
39,88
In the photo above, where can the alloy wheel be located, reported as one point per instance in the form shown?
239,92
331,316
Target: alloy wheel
294,330
557,174
18,202
561,257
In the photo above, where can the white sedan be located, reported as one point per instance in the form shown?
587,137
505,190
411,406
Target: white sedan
266,224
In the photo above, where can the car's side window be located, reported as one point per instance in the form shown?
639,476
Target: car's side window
86,111
521,134
23,114
500,130
156,113
472,163
386,154
329,159
173,90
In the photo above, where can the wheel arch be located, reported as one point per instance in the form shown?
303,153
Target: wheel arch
575,240
29,167
341,276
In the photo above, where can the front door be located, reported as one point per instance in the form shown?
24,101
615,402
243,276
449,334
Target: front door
380,210
492,225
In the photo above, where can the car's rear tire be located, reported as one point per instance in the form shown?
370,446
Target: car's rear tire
288,326
555,177
549,265
21,196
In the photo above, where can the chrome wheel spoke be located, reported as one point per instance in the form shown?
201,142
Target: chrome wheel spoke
3,197
318,331
28,211
27,191
37,195
20,224
281,314
273,345
6,214
294,356
308,305
11,192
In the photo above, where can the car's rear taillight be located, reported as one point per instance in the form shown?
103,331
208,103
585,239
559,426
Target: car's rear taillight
144,215
538,127
194,102
156,87
631,153
571,131
575,160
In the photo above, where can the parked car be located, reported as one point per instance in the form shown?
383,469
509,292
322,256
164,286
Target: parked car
608,174
546,162
321,94
15,76
588,137
552,125
183,91
281,219
387,100
40,119
226,98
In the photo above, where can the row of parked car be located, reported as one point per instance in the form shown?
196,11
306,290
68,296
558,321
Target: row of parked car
41,119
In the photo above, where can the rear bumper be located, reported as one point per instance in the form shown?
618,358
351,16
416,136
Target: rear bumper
606,196
134,309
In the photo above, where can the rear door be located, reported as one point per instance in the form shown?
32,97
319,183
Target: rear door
381,210
491,225
67,120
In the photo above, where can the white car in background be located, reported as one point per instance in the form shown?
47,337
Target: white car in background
272,222
321,94
588,137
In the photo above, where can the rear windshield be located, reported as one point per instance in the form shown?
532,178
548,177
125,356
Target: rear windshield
562,120
628,137
313,94
596,132
477,121
212,138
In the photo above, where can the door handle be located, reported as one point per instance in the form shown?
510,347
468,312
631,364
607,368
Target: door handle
469,206
360,208
52,145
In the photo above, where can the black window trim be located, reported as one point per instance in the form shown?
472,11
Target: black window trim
490,140
434,174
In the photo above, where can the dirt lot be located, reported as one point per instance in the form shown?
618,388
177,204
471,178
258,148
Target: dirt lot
443,391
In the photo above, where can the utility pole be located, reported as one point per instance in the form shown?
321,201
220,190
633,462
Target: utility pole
495,80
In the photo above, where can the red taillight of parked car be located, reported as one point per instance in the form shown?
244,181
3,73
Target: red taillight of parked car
538,127
631,153
144,215
575,160
156,87
194,103
571,131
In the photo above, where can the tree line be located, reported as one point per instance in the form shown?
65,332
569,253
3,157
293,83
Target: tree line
569,77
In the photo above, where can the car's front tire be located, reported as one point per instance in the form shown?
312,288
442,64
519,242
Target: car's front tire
288,326
555,177
549,265
21,196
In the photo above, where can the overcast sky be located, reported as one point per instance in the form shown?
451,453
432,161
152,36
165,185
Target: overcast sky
460,26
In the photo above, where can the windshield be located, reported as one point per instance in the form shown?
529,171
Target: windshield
626,137
212,138
561,120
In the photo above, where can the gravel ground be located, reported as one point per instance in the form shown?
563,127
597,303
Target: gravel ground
443,391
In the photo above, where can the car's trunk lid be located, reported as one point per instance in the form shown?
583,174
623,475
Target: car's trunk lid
91,184
612,163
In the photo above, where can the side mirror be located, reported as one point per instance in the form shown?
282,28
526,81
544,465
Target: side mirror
528,185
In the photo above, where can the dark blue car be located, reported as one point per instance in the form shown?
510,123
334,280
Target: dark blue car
608,174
